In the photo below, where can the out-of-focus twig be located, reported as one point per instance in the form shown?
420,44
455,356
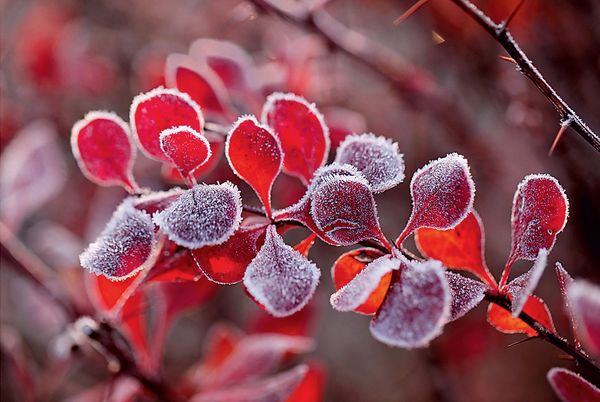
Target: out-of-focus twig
501,34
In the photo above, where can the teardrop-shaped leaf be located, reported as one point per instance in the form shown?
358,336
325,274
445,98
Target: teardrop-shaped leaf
254,153
564,281
217,145
205,215
101,143
442,192
302,131
523,286
584,298
279,277
503,320
466,294
571,387
186,148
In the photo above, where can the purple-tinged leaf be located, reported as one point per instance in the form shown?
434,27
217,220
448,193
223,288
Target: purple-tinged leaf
564,281
584,298
523,286
466,294
571,387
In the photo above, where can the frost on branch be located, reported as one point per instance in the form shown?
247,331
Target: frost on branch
442,192
571,387
377,158
540,211
584,298
101,143
186,148
279,277
205,215
302,131
416,307
124,246
466,294
254,153
523,286
153,112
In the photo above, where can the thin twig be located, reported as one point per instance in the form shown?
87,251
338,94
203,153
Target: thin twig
502,35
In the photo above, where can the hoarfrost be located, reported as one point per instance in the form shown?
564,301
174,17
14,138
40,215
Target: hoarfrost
466,294
523,286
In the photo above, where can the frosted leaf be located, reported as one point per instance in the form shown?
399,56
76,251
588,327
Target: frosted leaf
124,246
187,149
205,215
571,387
343,207
466,294
157,201
564,281
279,277
540,211
377,158
442,192
523,286
357,291
584,298
416,307
503,320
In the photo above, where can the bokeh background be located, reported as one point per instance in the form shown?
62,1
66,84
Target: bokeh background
61,58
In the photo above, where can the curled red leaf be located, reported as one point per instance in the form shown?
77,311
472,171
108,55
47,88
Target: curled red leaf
186,148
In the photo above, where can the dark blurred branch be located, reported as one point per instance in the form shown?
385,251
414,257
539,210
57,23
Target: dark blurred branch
501,34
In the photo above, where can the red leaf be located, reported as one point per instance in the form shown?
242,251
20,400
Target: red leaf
155,111
220,342
297,324
584,299
540,211
523,286
459,248
226,263
101,143
442,192
279,277
416,307
174,266
217,144
305,245
181,296
254,153
466,294
302,131
503,320
187,149
571,387
157,201
311,387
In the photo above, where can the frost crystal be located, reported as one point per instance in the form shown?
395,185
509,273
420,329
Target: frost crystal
466,294
358,290
416,307
204,215
523,286
377,158
279,277
124,246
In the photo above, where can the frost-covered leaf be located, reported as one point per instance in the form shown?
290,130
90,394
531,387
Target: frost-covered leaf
377,158
540,211
254,153
205,215
124,247
302,131
571,387
370,283
503,320
466,294
459,248
157,201
153,112
564,281
217,145
416,307
101,143
584,298
523,286
279,277
442,192
186,148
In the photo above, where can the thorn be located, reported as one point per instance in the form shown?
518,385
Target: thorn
561,131
522,341
513,14
413,9
507,58
437,38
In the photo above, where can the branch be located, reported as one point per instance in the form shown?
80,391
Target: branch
500,33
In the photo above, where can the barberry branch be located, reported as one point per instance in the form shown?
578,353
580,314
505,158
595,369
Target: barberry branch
500,32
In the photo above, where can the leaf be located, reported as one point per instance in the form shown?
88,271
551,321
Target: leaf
157,201
125,246
254,153
297,324
217,144
523,286
442,192
155,111
503,320
565,280
226,263
280,278
461,247
174,266
416,307
540,211
312,385
205,215
571,387
302,131
102,146
305,245
377,158
466,294
367,289
186,148
584,298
